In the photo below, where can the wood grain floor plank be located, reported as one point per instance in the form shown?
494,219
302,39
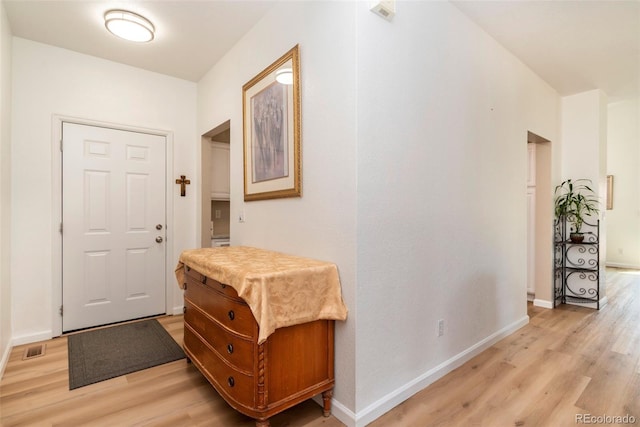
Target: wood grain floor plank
556,406
607,393
558,365
567,361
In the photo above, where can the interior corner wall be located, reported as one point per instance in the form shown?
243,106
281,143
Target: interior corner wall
50,81
544,294
443,115
321,223
584,152
5,187
623,162
583,134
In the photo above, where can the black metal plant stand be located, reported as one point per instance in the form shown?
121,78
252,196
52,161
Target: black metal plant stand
576,265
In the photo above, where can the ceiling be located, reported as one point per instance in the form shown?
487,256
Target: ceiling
191,36
573,45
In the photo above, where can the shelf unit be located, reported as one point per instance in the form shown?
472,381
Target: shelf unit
577,265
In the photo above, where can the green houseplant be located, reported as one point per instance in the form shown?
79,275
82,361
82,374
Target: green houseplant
575,200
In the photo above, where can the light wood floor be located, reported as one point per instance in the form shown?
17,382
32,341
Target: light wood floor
567,361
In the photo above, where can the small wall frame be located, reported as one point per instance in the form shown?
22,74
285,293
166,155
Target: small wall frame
609,192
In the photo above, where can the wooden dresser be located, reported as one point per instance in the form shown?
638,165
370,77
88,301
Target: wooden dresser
295,363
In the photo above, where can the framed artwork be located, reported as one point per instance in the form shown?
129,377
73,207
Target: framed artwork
609,192
271,130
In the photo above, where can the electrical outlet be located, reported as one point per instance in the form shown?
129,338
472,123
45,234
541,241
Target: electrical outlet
440,327
241,217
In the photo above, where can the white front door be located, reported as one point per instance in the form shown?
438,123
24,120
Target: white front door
113,225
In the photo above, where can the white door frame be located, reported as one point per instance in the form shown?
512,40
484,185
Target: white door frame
56,182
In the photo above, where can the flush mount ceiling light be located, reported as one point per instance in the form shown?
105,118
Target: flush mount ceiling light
284,76
129,25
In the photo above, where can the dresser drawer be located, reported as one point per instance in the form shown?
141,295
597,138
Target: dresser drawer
225,290
236,385
233,314
213,284
235,350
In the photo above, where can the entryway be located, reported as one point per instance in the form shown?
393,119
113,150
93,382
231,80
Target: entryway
215,189
113,225
539,222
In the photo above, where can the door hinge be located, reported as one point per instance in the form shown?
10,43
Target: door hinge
61,311
60,228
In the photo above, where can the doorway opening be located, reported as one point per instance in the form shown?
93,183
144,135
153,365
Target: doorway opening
539,222
215,178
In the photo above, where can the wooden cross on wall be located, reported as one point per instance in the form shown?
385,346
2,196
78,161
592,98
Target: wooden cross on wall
183,184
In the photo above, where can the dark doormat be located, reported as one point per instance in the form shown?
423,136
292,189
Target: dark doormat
101,354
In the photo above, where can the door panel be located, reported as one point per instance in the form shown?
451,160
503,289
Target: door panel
113,196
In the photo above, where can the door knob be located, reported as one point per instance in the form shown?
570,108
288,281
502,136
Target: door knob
159,227
159,239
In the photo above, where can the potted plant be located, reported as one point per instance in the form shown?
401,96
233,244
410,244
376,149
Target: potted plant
575,200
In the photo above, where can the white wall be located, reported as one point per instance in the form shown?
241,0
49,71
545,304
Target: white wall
623,162
584,155
320,224
5,187
583,129
440,134
51,81
544,290
443,115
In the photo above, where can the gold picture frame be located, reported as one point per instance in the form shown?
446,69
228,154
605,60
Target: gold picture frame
271,131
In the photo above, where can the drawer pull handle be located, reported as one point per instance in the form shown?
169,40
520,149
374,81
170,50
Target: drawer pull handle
230,348
204,280
231,314
231,381
184,309
188,268
223,286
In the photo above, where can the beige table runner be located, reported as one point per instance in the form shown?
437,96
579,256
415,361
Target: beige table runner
281,290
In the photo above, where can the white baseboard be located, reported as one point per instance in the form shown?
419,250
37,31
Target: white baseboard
396,397
531,296
621,265
543,303
338,410
603,301
5,359
178,310
344,414
30,338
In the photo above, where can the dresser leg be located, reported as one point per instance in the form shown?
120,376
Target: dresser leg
262,423
326,400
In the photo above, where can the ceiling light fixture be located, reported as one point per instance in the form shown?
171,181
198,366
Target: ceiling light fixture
284,76
129,25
